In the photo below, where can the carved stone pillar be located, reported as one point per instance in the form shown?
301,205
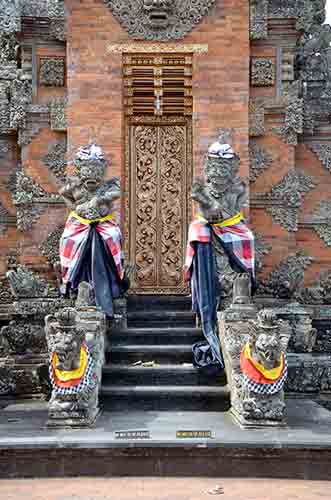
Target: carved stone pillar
254,348
75,340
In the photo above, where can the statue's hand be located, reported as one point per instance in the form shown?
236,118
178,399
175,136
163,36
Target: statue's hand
198,189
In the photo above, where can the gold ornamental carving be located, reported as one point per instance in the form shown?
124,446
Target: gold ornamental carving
158,209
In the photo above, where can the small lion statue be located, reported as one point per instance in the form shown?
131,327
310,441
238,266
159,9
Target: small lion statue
72,370
264,368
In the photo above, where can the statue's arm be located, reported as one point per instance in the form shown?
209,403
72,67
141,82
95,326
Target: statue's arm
199,194
67,192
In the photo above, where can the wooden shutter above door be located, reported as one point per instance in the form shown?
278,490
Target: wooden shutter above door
158,85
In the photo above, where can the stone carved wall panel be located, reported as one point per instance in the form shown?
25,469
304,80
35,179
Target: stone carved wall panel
56,160
52,71
58,115
162,21
322,221
258,19
287,279
263,72
323,152
256,118
286,198
260,160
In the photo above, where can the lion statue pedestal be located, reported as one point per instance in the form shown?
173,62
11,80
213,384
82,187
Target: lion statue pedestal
254,349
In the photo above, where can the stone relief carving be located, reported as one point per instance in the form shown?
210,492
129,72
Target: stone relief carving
56,160
24,338
256,118
323,152
50,247
303,335
319,292
10,20
27,194
288,278
52,71
7,381
20,98
25,284
160,20
322,221
258,19
58,114
294,116
259,160
58,29
263,72
262,248
9,46
286,198
309,376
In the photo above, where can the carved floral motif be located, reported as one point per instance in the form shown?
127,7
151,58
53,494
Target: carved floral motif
56,159
258,19
256,118
286,198
263,72
52,71
288,278
159,181
23,337
260,160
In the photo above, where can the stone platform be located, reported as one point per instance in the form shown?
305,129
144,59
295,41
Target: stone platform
302,450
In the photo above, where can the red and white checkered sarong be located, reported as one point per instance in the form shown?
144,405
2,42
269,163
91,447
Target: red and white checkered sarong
74,236
237,238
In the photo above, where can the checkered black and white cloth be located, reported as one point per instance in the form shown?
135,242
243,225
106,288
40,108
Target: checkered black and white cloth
267,389
85,382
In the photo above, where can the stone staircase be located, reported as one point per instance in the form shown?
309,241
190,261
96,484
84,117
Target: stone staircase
149,364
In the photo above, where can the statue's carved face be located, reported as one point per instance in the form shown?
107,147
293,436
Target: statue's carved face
159,12
67,348
219,171
266,350
161,20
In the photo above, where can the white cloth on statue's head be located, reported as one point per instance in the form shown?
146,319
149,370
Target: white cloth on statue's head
221,150
91,152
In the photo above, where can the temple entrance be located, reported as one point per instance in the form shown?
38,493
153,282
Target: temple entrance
158,211
158,170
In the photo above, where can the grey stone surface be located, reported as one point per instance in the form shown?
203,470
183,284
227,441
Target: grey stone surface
308,425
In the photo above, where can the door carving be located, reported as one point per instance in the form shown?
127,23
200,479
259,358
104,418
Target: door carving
158,206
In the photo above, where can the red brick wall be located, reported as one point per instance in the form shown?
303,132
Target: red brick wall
220,79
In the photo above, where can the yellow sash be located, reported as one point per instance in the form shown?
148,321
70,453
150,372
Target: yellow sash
90,221
227,222
273,374
73,374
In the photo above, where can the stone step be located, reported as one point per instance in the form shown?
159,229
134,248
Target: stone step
161,318
177,375
161,354
160,302
156,335
165,398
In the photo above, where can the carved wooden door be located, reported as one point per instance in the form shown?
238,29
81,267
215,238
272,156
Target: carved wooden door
158,210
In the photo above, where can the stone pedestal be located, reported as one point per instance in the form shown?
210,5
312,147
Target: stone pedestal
71,334
260,339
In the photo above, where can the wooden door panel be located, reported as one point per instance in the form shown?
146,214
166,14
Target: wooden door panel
158,176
